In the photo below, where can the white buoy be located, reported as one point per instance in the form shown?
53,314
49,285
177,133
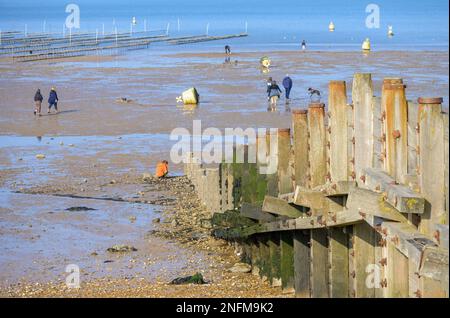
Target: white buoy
134,21
331,26
366,45
390,31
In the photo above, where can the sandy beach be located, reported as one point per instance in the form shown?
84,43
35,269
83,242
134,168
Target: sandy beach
97,150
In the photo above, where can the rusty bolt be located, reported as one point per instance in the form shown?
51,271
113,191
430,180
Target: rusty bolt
383,261
383,283
328,176
382,138
417,128
437,236
352,160
328,160
384,231
396,134
311,222
353,274
382,242
353,175
383,115
334,186
353,140
334,218
329,114
395,240
363,178
377,188
329,130
328,144
418,293
352,253
321,220
309,177
309,213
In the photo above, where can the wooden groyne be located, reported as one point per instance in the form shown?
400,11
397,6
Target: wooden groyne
358,205
35,47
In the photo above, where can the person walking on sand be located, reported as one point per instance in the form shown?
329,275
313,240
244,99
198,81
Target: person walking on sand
227,50
274,94
303,45
162,169
52,100
287,84
38,102
269,83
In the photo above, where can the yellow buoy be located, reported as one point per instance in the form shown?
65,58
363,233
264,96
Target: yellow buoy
366,45
390,31
331,26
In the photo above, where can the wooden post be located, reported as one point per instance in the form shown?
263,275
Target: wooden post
338,259
413,164
364,258
302,256
287,260
272,179
212,190
378,134
338,125
261,182
264,255
397,273
318,144
275,259
256,261
301,146
396,128
319,263
445,118
431,162
362,94
285,184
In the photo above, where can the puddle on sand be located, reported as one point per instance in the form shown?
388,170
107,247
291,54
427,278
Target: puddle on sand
39,238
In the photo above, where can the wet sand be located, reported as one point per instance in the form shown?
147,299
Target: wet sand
96,151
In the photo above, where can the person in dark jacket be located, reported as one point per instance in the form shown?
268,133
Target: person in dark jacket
52,100
273,94
38,102
287,84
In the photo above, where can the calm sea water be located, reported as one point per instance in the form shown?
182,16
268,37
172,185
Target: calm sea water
282,24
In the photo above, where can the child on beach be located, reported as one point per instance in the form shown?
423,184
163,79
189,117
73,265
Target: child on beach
38,102
274,94
162,169
52,100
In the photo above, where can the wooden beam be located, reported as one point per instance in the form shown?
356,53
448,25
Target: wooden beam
301,148
287,260
254,211
399,196
279,207
302,257
338,259
319,264
317,144
413,164
315,200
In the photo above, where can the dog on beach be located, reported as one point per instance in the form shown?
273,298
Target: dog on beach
314,95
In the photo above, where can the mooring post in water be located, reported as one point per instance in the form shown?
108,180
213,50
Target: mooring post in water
317,144
432,162
301,146
287,260
362,93
285,184
395,107
338,125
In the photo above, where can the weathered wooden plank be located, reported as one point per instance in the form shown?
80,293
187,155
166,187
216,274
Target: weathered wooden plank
319,264
413,164
399,196
255,212
287,260
397,273
256,260
396,128
264,254
272,178
372,203
364,254
362,93
317,144
337,110
378,134
275,259
279,207
316,200
351,262
433,271
285,183
338,259
440,235
301,148
446,163
302,256
432,162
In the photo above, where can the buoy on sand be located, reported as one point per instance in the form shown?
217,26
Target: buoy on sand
390,31
189,96
265,61
331,26
366,45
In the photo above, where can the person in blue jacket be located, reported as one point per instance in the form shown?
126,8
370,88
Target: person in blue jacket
287,84
52,100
